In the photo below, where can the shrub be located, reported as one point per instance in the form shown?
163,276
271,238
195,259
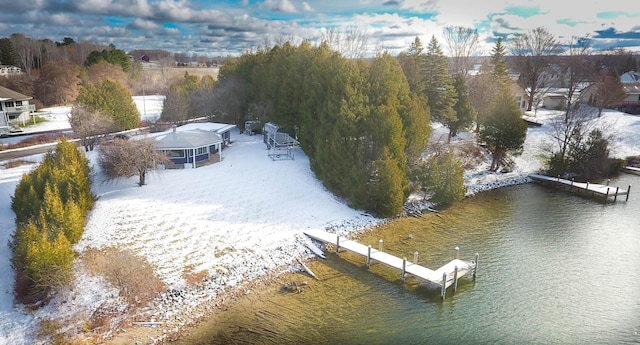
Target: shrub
131,275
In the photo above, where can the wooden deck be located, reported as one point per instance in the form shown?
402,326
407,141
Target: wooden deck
590,188
449,273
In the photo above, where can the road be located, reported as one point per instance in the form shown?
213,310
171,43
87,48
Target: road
27,151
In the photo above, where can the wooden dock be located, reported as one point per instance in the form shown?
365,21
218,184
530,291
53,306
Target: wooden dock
631,170
442,278
590,188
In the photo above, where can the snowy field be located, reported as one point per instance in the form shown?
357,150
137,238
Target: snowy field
241,218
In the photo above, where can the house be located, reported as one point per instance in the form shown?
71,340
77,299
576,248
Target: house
631,86
8,70
521,97
194,144
15,109
555,100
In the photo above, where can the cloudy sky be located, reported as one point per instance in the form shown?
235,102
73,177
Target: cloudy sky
229,27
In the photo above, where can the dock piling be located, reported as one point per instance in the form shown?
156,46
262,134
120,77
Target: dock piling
369,256
456,254
475,268
443,293
628,191
415,257
455,278
337,244
615,197
380,245
404,267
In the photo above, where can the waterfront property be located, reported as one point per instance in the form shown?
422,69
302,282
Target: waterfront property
594,189
443,277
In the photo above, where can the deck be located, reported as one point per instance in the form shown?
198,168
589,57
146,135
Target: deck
443,277
591,188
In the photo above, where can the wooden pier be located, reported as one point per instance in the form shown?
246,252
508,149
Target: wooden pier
442,278
589,188
631,170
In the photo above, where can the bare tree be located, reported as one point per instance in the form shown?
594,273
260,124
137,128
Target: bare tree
533,53
175,106
103,70
127,158
89,126
461,43
607,91
577,68
229,101
352,42
572,128
58,83
24,49
483,90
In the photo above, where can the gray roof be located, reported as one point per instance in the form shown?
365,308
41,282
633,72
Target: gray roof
10,94
190,139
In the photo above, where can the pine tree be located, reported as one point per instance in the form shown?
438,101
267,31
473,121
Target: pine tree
504,130
441,95
464,112
385,190
112,99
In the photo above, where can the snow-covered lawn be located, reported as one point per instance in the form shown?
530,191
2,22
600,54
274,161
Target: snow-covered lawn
238,219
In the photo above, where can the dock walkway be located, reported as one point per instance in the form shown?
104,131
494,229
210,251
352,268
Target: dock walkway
443,277
592,188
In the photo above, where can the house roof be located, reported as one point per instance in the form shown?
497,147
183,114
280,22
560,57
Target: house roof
208,126
7,94
186,139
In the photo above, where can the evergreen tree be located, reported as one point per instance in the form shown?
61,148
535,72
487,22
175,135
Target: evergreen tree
464,112
111,55
113,100
442,178
385,188
500,69
7,56
441,95
504,130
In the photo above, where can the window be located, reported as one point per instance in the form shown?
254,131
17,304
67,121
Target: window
201,151
8,104
175,153
18,103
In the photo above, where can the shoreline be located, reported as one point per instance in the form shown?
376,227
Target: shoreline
167,333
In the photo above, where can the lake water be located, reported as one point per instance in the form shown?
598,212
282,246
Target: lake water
555,268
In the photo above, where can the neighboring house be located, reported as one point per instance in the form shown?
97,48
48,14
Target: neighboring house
555,100
521,97
194,144
8,70
15,109
631,85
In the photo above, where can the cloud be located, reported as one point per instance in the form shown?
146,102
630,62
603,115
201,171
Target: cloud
283,6
612,33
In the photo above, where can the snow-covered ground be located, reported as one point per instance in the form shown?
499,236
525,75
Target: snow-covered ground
238,219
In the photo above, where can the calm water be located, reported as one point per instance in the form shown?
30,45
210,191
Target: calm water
554,268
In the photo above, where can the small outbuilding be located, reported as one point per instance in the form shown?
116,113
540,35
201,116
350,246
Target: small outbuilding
190,148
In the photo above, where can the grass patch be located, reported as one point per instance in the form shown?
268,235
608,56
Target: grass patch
131,275
15,163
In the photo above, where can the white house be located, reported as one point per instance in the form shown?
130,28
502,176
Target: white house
15,109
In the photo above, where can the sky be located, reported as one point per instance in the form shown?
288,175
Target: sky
230,27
